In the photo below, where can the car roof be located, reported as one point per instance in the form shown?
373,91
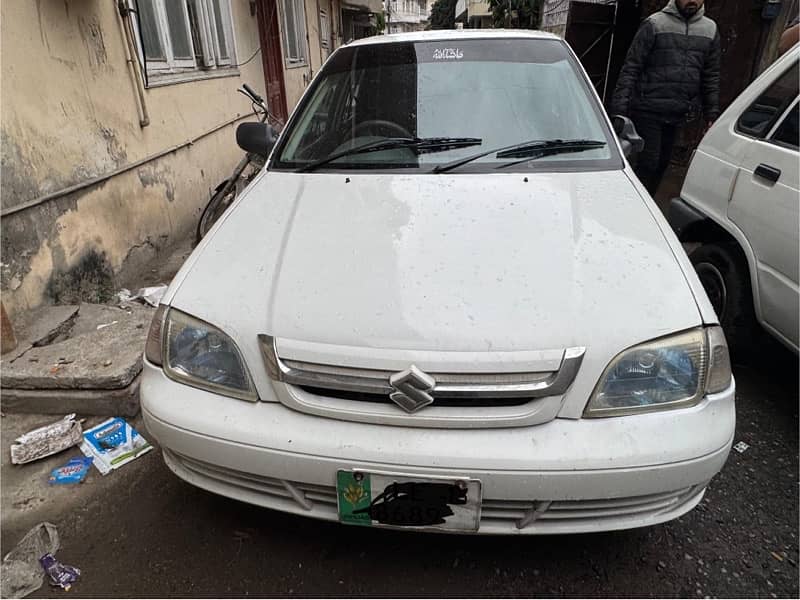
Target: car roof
455,34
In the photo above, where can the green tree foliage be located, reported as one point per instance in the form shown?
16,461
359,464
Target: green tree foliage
517,14
443,14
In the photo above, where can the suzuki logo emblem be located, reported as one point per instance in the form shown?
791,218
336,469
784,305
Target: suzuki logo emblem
412,389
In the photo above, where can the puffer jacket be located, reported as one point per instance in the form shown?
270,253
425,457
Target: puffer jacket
671,72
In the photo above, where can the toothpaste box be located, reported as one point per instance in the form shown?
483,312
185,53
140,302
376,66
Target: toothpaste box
112,444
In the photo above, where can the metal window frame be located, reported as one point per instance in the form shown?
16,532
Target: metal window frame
771,135
325,30
227,25
174,70
166,35
743,131
298,8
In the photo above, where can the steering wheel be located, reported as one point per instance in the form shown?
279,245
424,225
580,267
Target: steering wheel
377,123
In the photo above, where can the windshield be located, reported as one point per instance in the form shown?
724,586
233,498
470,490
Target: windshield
495,92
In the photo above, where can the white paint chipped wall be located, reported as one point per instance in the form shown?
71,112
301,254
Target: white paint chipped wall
68,113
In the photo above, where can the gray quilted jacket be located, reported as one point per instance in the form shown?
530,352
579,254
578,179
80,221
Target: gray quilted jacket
671,71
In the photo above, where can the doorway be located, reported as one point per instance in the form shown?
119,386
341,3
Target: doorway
269,37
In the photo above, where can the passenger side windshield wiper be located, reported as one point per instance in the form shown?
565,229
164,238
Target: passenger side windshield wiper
526,151
419,145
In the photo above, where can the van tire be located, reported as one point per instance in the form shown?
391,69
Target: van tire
724,274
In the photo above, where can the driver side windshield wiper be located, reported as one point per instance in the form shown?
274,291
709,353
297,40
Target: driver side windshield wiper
420,145
526,151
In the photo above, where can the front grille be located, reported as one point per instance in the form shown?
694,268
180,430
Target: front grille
450,389
565,512
384,398
460,393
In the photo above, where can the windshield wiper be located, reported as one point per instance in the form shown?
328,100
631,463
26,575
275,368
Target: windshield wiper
420,145
526,151
548,148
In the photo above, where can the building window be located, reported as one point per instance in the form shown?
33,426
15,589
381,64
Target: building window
294,32
324,30
183,37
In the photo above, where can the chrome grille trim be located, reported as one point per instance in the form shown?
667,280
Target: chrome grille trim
448,385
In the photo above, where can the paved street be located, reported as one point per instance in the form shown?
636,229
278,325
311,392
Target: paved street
142,532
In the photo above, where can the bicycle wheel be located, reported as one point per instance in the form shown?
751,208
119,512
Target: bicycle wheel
218,204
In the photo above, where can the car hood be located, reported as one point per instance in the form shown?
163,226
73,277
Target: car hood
457,262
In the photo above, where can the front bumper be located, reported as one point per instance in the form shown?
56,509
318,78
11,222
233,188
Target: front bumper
598,474
682,217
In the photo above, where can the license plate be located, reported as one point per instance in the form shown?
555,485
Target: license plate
407,501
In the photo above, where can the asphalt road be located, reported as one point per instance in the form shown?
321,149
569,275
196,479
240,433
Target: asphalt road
145,533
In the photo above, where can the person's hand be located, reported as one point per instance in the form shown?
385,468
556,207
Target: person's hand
709,123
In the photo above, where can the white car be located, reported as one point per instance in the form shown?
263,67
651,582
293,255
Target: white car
446,303
740,202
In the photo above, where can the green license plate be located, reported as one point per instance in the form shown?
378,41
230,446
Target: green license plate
407,501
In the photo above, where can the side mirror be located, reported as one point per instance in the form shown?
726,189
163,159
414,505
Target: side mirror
257,138
631,141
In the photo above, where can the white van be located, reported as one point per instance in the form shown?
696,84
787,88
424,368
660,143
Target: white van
740,201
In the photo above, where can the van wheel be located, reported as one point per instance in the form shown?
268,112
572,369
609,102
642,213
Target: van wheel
726,279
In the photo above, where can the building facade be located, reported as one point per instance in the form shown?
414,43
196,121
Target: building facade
474,14
117,121
556,12
403,16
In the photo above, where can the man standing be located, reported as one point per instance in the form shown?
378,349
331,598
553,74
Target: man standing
670,77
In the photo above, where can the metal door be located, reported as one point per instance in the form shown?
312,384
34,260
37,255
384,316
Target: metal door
590,32
269,36
764,205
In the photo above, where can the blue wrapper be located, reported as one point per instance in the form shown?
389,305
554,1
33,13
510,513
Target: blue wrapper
73,472
61,575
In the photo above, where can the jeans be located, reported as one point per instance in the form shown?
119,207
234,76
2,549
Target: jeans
659,137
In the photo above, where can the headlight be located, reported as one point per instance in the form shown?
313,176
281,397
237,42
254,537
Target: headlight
199,354
671,372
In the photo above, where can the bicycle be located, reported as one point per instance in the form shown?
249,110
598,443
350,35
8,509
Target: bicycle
250,166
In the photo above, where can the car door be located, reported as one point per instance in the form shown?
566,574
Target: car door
765,199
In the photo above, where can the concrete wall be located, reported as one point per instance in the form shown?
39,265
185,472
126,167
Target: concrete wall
68,113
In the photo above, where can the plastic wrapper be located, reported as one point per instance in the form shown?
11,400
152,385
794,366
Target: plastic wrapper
73,472
46,440
60,574
21,573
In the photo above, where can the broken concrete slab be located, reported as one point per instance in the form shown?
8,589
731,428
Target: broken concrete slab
40,327
108,403
102,351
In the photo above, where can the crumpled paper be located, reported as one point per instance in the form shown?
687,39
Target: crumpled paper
21,573
150,295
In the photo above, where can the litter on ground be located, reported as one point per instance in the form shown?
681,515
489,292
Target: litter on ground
740,447
61,575
47,440
22,573
74,471
112,444
150,295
